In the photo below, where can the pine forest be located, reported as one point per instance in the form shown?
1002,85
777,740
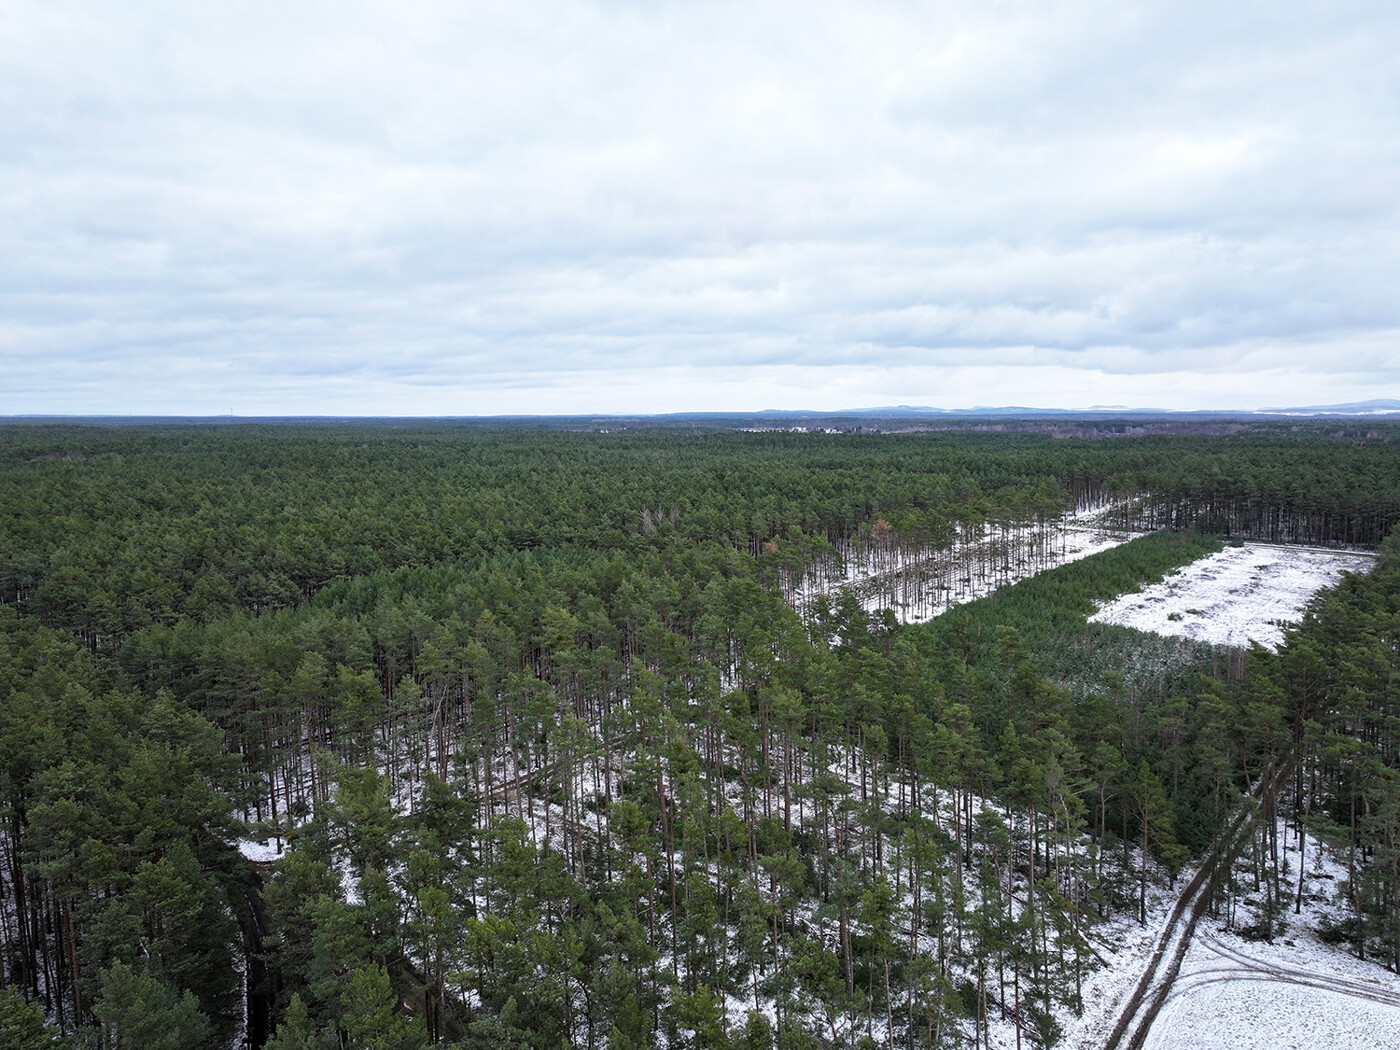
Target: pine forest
406,736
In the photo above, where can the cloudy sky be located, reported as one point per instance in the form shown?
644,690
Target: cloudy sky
538,206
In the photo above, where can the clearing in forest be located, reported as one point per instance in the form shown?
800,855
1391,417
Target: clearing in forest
1236,596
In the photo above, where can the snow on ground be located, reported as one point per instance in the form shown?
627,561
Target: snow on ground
1295,992
1246,1015
1237,596
1077,542
259,851
1125,946
977,564
1082,542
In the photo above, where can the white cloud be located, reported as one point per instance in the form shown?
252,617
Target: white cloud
328,207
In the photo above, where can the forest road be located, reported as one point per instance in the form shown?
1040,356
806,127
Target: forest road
1155,984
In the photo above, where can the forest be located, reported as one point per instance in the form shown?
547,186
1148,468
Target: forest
338,736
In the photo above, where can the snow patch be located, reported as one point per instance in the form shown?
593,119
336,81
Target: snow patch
262,852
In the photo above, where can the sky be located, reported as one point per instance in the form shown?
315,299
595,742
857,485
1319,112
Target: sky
305,208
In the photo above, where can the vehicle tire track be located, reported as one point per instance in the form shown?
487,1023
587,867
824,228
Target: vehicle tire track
1190,984
1252,968
1156,982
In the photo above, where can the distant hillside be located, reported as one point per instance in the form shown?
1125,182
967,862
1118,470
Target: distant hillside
1375,407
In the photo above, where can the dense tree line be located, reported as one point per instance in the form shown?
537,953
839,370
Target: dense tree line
1338,724
108,529
549,754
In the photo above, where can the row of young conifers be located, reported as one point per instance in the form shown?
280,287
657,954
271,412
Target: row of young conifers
546,763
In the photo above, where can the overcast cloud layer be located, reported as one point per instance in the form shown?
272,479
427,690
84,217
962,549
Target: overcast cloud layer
277,208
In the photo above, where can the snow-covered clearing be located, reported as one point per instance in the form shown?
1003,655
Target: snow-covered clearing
1274,1016
1240,595
1295,992
1229,1004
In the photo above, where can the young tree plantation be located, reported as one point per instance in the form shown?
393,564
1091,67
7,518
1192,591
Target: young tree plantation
386,736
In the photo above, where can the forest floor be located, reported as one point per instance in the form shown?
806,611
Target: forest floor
1239,595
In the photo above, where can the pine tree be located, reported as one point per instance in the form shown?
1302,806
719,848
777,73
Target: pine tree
22,1024
140,1012
1157,827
